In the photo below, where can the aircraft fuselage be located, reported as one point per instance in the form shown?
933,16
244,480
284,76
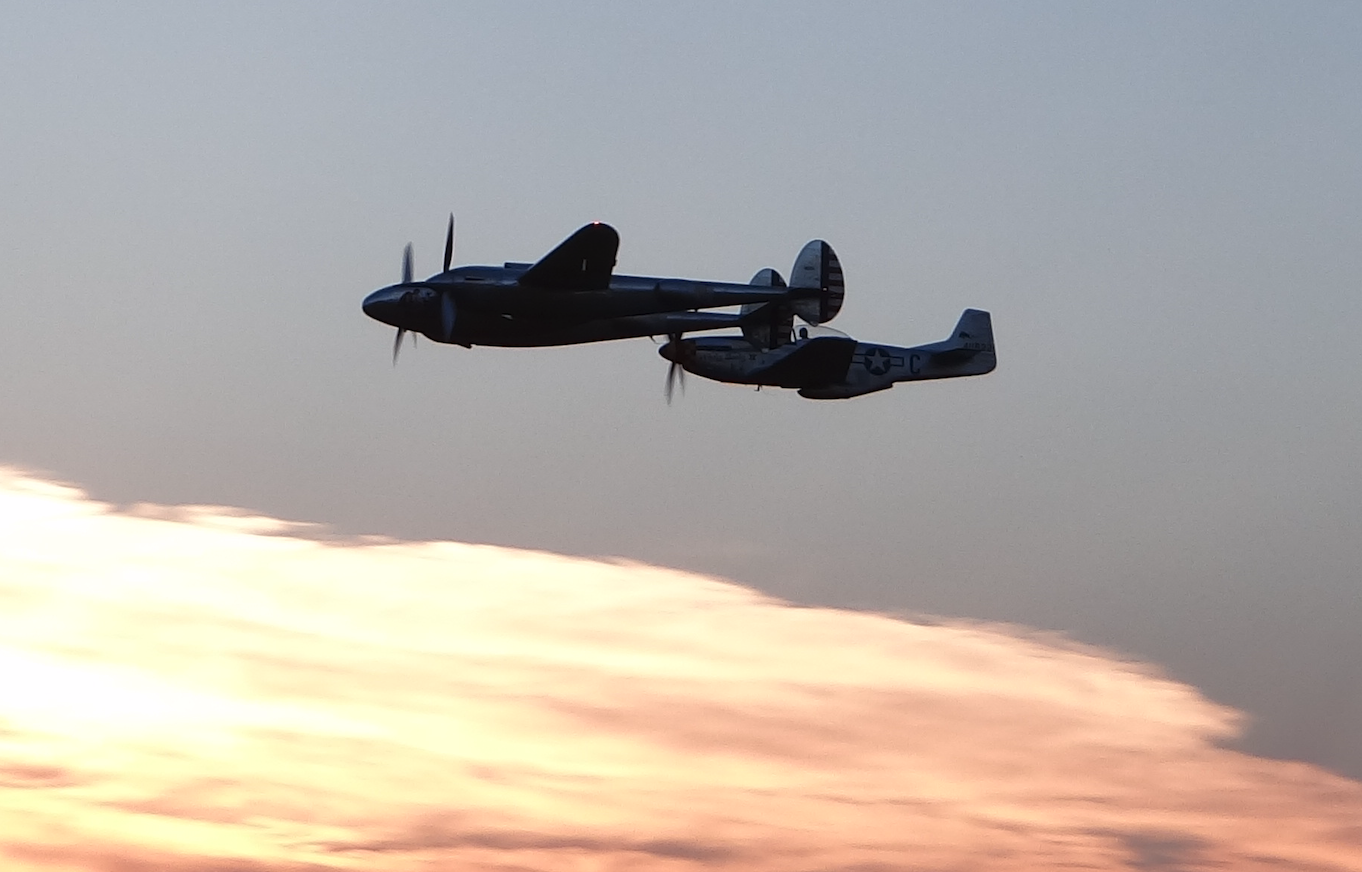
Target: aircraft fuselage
837,367
492,307
572,294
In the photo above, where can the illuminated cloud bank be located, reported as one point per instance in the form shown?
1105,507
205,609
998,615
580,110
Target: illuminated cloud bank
193,689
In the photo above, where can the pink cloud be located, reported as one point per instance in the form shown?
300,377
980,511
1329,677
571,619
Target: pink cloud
199,689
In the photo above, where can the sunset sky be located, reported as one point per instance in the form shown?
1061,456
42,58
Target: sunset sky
201,689
661,630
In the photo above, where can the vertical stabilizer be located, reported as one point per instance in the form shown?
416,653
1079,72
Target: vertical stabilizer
817,267
767,325
971,341
974,331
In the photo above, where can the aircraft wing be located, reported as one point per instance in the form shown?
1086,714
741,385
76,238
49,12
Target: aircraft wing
582,262
815,362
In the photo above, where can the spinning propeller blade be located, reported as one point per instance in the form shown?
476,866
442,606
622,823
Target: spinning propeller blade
675,372
447,316
447,313
449,244
406,279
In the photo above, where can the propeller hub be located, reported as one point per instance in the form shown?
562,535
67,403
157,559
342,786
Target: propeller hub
678,350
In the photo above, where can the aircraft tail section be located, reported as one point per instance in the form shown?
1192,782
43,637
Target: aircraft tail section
767,325
972,337
817,268
974,331
767,278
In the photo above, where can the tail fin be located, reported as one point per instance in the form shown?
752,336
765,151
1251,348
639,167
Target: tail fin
817,267
767,278
974,330
767,325
973,335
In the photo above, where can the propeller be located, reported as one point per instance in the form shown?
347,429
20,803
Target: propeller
447,316
447,311
675,372
449,243
406,280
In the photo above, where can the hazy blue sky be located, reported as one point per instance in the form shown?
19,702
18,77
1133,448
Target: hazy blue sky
1159,203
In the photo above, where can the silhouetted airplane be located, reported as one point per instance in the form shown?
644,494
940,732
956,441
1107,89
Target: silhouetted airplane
572,295
832,366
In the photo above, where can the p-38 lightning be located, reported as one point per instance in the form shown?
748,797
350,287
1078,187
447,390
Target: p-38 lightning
573,295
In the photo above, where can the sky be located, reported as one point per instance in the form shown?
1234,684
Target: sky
1158,203
200,689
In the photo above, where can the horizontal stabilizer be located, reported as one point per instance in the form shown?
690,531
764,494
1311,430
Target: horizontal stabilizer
582,262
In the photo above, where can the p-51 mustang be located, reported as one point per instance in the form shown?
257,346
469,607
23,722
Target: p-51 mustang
572,295
833,367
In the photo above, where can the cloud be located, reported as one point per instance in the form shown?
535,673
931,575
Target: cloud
202,689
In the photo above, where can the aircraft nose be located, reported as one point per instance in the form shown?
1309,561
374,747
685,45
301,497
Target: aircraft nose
382,305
